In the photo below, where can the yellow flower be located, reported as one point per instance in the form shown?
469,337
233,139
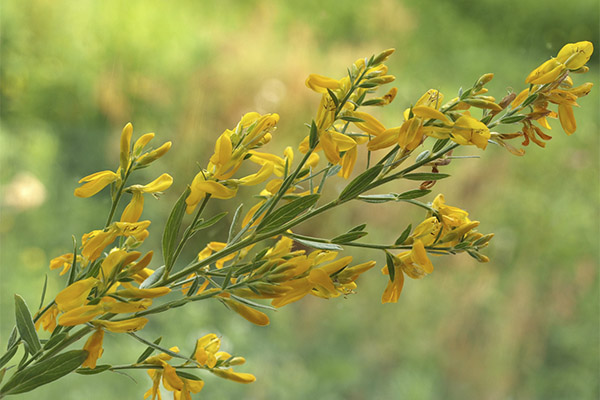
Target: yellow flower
467,130
48,319
94,348
320,83
239,377
134,209
132,292
65,261
75,294
124,155
201,186
206,349
128,325
95,183
249,313
153,155
575,55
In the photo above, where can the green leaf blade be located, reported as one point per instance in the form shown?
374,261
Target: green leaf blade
26,326
172,227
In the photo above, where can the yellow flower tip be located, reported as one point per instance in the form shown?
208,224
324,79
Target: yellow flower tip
239,377
383,56
250,314
94,348
128,325
75,294
125,145
320,83
575,55
160,184
154,155
142,142
95,183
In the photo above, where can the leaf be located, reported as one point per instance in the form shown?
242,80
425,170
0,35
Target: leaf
209,222
313,136
252,303
439,144
358,228
152,279
236,217
425,176
54,340
149,350
43,291
187,375
172,227
412,194
25,325
73,270
360,183
349,237
334,98
97,370
529,100
8,356
403,236
319,245
423,156
512,119
378,198
389,260
351,119
12,339
287,212
44,372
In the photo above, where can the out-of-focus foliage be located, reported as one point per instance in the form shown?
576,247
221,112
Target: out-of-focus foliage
523,326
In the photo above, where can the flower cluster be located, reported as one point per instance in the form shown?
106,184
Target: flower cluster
111,287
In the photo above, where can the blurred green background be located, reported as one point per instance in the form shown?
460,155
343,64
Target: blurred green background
524,326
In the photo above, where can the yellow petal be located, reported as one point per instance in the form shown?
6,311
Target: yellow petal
149,157
125,146
142,142
80,315
134,209
428,112
320,83
135,293
392,292
250,314
94,348
128,325
567,118
262,175
575,55
75,295
160,184
95,183
234,376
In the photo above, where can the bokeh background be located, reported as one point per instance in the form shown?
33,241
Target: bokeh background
524,326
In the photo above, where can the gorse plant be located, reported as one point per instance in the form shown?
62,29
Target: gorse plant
110,286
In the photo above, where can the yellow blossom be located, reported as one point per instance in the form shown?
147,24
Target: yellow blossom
239,377
124,155
48,319
65,261
95,183
94,348
467,130
75,294
128,325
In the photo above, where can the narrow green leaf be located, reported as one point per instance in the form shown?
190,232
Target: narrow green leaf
149,350
425,176
43,291
209,222
423,156
439,144
73,270
313,136
152,279
529,100
97,370
252,303
348,237
287,212
412,194
25,325
351,119
360,183
227,279
44,372
12,339
372,102
319,245
403,236
187,375
333,97
358,228
367,85
54,340
169,238
2,373
8,356
389,260
512,119
378,198
234,221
